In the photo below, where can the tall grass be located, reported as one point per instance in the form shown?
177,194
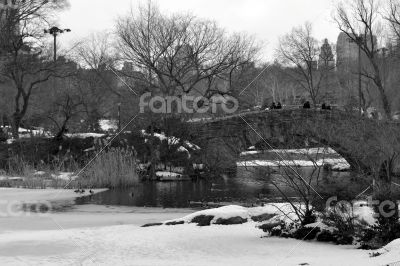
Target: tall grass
111,169
17,166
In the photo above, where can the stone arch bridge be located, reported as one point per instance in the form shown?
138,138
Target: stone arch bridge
366,144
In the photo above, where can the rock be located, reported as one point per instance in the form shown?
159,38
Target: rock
306,233
267,227
345,240
276,231
232,220
152,224
203,220
263,217
175,223
326,236
285,235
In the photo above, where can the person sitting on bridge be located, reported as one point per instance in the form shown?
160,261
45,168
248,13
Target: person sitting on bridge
279,106
307,105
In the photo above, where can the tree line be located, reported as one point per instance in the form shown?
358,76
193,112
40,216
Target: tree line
180,54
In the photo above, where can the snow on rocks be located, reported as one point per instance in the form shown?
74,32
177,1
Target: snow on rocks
234,214
170,176
108,125
339,164
321,226
391,251
310,151
67,176
173,141
85,135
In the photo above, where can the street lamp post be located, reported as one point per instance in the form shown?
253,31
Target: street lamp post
55,31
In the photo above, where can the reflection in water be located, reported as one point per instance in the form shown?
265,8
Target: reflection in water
176,194
245,186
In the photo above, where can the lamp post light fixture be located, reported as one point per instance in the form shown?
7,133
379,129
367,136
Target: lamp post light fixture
55,31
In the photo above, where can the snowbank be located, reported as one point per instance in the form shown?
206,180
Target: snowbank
75,238
339,164
187,245
225,212
390,252
172,140
67,176
85,135
170,176
108,125
234,211
310,151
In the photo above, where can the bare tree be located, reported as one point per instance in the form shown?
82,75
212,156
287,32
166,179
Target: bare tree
65,108
393,17
360,21
181,51
300,50
99,80
25,67
180,55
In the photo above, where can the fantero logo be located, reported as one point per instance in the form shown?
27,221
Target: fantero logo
188,104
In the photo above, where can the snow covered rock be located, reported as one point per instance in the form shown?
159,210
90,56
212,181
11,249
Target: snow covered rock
232,220
202,220
227,215
152,224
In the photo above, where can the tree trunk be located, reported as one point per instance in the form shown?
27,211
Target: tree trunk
152,172
382,94
62,130
16,124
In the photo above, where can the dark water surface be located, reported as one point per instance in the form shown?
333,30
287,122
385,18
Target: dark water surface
242,188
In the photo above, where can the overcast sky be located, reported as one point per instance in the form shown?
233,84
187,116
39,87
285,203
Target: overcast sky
266,19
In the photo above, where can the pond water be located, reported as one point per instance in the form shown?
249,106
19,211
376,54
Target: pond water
243,188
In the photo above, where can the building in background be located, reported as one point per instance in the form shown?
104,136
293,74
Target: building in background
347,51
326,57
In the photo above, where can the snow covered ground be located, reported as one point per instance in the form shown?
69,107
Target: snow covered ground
329,157
107,235
309,151
339,164
85,135
173,245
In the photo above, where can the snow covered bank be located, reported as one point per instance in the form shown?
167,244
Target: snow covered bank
172,245
23,195
171,176
339,164
237,214
310,151
85,135
83,237
391,252
172,140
